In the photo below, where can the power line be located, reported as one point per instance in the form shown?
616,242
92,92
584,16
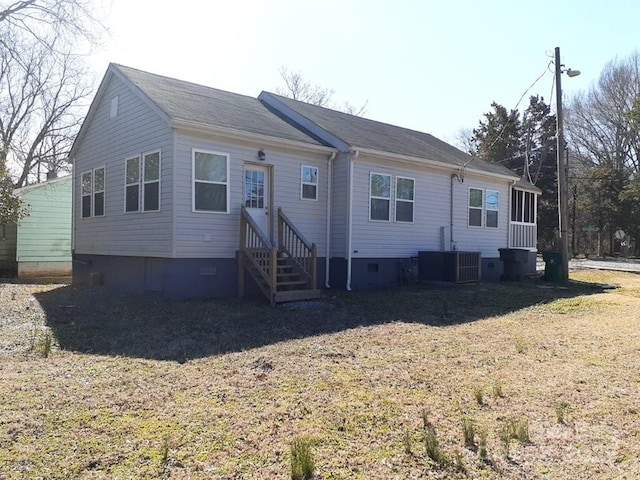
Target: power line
546,69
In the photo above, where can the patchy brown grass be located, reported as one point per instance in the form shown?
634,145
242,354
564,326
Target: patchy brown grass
135,387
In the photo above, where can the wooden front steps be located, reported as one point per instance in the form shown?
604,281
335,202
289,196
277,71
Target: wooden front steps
285,272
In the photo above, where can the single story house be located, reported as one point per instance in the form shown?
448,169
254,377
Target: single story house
39,245
197,192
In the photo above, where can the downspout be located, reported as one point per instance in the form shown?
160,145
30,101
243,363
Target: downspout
460,179
73,210
329,201
353,155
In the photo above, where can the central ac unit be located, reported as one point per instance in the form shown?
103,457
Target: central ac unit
449,266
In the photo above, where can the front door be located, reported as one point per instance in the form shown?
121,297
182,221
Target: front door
256,195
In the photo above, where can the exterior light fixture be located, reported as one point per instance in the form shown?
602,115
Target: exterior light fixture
563,190
261,155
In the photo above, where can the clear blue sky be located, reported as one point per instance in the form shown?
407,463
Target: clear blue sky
433,66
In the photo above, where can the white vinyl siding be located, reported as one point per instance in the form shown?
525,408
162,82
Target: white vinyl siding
308,182
138,128
217,235
431,227
210,181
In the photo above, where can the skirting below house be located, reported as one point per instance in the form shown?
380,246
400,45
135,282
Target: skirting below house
173,278
372,273
182,278
44,269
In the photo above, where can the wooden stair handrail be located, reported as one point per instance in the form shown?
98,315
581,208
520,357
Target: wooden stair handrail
298,248
259,256
254,247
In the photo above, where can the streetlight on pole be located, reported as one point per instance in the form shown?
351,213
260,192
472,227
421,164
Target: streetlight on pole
563,190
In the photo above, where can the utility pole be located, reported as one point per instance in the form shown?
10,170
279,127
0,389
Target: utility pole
562,173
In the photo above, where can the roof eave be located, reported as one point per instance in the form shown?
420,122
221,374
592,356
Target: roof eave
433,163
242,135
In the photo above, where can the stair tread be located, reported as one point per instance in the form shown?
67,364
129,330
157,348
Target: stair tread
292,282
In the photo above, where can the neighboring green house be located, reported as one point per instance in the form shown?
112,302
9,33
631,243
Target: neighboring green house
40,244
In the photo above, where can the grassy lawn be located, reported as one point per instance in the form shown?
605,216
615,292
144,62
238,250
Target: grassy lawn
102,385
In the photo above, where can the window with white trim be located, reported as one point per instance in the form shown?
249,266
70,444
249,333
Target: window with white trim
476,205
405,188
491,213
132,185
151,182
92,192
379,197
308,183
210,181
142,183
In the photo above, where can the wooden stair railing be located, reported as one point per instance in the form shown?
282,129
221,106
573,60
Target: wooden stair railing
286,272
293,244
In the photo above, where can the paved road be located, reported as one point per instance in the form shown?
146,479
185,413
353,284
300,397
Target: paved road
620,265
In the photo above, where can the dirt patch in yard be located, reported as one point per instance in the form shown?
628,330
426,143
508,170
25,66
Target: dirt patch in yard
99,384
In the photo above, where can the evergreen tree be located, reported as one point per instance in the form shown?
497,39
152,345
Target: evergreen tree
499,138
11,208
539,130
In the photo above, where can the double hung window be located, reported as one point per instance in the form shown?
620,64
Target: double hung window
142,183
92,192
210,181
382,197
484,207
308,183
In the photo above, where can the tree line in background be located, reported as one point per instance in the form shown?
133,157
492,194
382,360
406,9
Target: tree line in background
602,138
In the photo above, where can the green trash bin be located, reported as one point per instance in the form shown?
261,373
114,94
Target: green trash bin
552,266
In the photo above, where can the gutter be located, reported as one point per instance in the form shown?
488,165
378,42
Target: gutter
433,163
352,156
329,201
511,185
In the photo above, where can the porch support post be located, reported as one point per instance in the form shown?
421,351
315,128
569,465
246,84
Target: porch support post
274,274
314,266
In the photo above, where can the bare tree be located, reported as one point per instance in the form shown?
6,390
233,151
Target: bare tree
47,21
43,82
464,140
598,121
296,87
39,114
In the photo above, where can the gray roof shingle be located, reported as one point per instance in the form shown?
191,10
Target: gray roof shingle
361,132
190,102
